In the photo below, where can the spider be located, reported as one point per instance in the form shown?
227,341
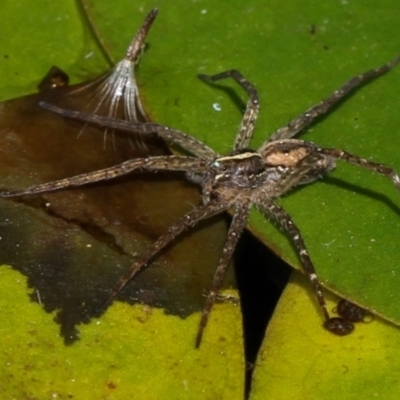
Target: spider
235,181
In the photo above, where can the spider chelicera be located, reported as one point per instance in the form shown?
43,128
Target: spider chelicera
235,181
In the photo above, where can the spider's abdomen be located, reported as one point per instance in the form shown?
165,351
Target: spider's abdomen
296,161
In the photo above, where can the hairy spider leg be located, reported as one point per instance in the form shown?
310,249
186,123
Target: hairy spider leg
362,162
137,44
283,220
119,85
238,223
170,163
246,128
300,122
188,220
173,136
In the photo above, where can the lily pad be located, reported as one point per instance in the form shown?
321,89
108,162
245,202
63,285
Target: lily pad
296,54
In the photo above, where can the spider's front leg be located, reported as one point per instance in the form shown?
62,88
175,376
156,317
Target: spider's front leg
335,325
137,45
303,120
170,163
249,118
173,136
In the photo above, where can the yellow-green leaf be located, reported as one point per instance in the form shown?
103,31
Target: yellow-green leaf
299,360
147,356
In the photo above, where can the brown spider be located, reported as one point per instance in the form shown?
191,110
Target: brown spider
235,181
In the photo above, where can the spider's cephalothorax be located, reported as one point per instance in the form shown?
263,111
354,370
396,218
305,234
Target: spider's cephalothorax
235,181
242,169
291,155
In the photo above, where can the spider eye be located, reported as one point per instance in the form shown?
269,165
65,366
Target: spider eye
220,166
216,164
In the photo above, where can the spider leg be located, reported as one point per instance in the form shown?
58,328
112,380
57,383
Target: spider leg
173,136
300,122
238,223
170,163
135,49
187,221
361,162
284,222
246,127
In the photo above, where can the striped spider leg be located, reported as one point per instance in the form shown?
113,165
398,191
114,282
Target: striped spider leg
235,181
115,94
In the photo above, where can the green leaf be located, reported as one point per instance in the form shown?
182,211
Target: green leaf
54,34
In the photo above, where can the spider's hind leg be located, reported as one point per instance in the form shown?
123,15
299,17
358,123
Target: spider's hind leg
363,163
238,223
337,325
144,260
